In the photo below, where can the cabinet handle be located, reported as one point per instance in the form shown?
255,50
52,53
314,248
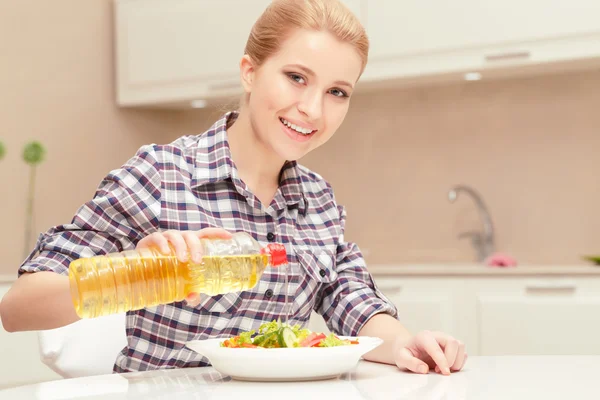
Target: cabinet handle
548,288
516,55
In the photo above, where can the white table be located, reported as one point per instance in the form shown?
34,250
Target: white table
489,378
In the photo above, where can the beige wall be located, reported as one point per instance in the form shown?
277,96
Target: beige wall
530,146
56,86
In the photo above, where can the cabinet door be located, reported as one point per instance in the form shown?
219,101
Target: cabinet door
180,49
414,40
538,316
433,303
411,26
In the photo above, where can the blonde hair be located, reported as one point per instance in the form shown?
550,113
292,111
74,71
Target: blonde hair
281,16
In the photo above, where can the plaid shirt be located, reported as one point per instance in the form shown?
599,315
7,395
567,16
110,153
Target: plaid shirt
191,184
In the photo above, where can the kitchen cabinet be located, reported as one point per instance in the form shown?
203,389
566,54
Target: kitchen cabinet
416,39
172,52
527,314
537,316
435,304
180,50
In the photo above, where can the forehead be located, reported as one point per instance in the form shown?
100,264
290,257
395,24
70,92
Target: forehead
329,58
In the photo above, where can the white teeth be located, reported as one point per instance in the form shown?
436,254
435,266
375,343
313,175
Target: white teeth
296,127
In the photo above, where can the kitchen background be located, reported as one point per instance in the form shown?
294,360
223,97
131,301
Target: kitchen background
528,143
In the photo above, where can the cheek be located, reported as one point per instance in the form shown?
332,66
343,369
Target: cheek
335,116
272,95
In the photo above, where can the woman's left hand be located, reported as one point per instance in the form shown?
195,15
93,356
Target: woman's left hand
430,350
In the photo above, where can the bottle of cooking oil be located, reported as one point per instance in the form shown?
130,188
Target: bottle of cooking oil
134,279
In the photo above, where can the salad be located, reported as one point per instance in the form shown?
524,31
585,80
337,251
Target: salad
274,334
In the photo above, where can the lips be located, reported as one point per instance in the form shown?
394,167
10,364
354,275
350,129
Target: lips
298,133
302,129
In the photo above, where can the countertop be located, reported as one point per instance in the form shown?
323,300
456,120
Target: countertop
489,378
460,269
455,269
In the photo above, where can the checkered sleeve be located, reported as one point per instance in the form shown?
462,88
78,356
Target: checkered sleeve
353,298
125,207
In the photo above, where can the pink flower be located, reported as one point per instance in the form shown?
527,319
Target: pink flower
500,260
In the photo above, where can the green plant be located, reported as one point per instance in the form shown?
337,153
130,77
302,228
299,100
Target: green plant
33,154
2,150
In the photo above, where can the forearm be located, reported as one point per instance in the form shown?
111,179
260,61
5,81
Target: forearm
38,301
393,333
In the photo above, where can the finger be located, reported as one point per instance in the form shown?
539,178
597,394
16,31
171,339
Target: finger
194,246
193,299
450,350
157,240
432,347
460,357
407,360
450,345
214,233
464,361
175,238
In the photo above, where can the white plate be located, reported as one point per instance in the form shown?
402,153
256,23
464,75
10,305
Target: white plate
284,364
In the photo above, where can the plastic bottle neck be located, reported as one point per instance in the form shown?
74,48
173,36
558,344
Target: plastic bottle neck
277,254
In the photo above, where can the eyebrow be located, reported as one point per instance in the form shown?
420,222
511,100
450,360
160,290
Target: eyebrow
310,72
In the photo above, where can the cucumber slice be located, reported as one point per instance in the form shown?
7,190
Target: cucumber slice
287,338
261,340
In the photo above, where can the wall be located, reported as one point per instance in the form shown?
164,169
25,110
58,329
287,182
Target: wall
56,86
529,146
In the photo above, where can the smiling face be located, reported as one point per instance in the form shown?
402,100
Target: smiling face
300,95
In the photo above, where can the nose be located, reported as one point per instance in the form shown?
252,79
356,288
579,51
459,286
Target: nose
311,105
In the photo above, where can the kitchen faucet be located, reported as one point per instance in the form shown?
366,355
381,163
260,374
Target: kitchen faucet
483,241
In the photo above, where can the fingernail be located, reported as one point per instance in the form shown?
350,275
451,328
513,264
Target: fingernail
447,371
183,256
422,369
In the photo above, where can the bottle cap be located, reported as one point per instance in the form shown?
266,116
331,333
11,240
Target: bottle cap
277,252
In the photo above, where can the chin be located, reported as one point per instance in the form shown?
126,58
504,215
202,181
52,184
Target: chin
290,154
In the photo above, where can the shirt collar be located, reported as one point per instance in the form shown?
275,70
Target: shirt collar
213,157
213,164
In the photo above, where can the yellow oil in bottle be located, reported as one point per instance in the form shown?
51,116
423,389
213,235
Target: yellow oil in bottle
132,280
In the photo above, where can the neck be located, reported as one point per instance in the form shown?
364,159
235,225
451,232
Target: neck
257,164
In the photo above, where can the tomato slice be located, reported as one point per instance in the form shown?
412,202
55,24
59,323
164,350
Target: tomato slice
316,340
307,340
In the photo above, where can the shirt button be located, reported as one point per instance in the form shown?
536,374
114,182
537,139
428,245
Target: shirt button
322,273
269,293
270,236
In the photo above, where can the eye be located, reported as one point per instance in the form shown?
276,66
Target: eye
296,78
338,93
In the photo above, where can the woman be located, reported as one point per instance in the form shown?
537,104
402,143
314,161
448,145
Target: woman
301,64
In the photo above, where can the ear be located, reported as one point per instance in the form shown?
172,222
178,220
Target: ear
247,72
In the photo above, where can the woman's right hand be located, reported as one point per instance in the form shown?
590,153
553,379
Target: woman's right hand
184,243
